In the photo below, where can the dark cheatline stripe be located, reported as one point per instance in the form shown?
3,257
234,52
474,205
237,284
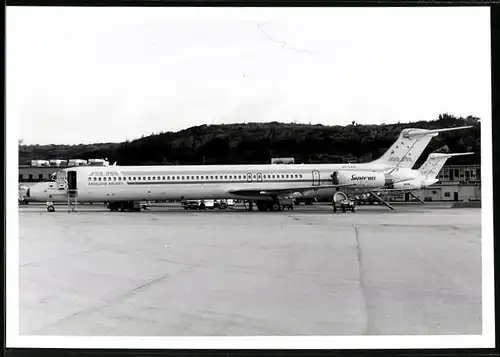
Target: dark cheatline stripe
175,182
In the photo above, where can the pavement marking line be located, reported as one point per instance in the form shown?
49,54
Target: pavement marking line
361,280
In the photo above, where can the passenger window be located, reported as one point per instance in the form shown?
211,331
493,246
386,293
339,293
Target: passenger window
99,179
286,176
300,175
211,177
163,178
114,178
173,178
187,177
178,177
154,178
90,178
198,177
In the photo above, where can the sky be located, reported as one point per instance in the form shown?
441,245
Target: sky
87,75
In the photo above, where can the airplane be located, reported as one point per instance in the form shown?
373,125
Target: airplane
426,175
408,180
125,186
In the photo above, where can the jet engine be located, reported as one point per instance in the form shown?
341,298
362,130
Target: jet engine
359,178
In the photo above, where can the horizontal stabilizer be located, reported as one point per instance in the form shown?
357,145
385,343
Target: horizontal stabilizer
443,155
414,133
449,129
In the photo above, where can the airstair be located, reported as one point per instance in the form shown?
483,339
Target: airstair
72,200
67,181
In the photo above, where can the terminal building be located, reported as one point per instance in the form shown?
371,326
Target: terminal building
41,170
456,183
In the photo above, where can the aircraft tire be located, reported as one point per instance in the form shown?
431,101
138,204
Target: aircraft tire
51,209
276,207
202,206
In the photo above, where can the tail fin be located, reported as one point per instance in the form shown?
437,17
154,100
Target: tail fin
410,144
435,161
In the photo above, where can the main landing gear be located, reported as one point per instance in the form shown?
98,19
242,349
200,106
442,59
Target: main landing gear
134,206
274,206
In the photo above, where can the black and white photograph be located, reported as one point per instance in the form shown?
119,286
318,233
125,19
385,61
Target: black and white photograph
249,177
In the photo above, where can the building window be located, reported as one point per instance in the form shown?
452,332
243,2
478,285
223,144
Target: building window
30,177
446,194
20,177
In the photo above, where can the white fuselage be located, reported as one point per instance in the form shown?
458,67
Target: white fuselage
132,183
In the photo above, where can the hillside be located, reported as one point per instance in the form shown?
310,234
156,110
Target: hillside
259,142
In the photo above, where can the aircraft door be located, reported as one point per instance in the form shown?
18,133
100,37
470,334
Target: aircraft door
72,180
259,177
316,178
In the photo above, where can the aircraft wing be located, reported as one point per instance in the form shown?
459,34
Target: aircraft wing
262,191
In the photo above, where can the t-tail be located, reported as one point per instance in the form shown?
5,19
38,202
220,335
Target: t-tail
430,168
410,144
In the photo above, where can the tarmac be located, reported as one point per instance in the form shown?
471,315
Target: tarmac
169,272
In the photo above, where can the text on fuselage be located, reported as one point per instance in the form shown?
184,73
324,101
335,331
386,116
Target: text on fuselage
361,178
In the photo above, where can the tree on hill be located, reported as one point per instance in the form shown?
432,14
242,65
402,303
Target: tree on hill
254,143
